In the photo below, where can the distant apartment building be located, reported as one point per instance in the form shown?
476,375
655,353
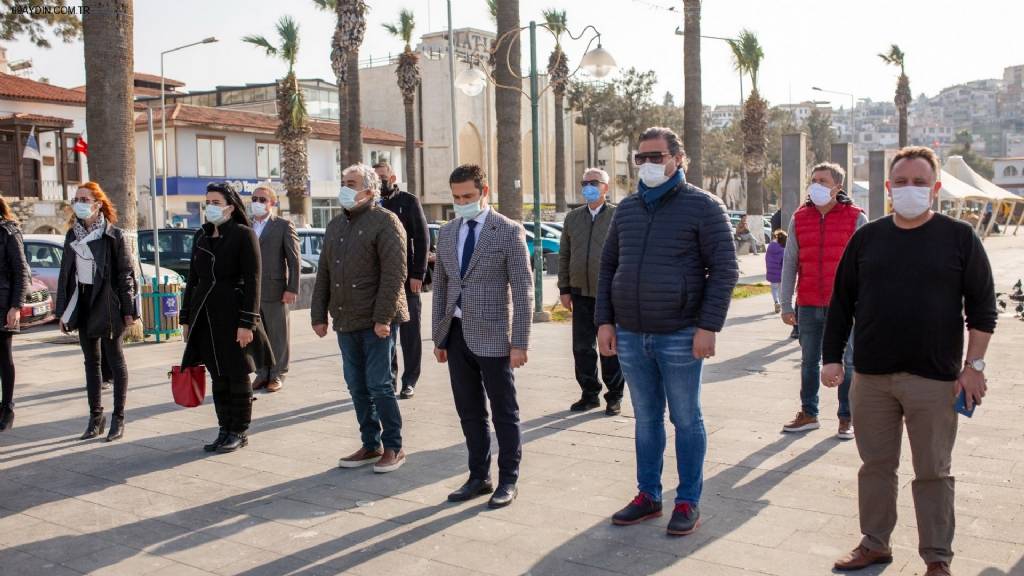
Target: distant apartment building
1009,174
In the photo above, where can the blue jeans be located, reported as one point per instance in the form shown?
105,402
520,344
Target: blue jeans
812,331
660,369
366,362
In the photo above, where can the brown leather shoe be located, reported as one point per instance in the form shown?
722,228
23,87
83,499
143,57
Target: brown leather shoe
360,457
938,569
273,386
802,423
390,461
862,557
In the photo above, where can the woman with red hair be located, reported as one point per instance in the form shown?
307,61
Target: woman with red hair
96,296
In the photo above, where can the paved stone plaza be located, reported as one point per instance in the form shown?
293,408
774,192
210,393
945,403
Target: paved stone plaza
155,503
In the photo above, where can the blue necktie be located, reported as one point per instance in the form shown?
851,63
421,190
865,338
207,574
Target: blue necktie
467,254
468,247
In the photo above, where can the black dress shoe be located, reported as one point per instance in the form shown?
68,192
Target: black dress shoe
471,489
221,437
97,423
6,417
233,442
116,427
407,392
584,404
503,496
614,408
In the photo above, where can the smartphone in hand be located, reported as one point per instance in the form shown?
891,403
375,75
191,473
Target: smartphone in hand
961,405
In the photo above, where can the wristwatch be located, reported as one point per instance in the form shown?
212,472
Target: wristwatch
978,364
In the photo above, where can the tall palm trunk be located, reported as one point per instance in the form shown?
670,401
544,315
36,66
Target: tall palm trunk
108,27
408,75
353,116
693,108
294,137
902,102
755,125
508,108
410,148
561,205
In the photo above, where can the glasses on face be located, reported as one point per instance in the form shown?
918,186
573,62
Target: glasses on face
591,183
83,201
260,199
652,157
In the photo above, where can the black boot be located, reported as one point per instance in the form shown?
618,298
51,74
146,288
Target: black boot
116,427
234,441
97,423
221,437
6,417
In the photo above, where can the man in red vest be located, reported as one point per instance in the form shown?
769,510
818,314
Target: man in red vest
818,234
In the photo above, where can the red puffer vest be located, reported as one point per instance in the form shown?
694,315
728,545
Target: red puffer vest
821,240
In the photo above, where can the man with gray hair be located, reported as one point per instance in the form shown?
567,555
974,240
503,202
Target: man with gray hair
818,234
579,261
361,283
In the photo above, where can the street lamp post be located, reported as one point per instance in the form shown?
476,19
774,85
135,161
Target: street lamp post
163,129
597,63
451,76
853,119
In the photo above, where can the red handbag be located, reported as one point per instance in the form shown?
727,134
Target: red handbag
188,385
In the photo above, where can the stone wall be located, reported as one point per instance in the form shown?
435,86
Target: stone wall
40,216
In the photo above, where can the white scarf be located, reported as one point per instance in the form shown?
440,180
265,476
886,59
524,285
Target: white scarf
85,267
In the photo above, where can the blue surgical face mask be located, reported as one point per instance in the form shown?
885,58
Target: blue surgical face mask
468,211
83,211
347,197
215,214
591,193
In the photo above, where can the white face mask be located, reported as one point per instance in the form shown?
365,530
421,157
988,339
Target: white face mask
468,211
652,175
820,195
911,201
215,214
258,209
347,198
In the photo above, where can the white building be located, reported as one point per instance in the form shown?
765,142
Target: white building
38,190
217,144
1009,174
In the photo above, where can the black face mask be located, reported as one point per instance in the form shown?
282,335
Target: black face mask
386,189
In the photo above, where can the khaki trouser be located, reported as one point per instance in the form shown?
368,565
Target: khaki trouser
880,405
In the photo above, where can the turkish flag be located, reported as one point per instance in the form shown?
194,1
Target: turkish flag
81,147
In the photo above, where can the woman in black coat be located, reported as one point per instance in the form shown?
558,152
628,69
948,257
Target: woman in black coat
96,296
15,279
221,313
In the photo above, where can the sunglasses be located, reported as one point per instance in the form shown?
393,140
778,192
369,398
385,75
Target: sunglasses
652,157
591,183
260,199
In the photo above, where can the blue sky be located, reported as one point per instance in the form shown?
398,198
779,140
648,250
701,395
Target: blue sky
827,43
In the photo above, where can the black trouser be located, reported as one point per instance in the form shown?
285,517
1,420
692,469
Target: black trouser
232,399
112,353
584,351
7,368
412,343
475,379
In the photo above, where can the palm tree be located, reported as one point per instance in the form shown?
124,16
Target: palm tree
408,73
558,77
508,109
492,10
748,54
896,57
293,120
348,37
693,107
107,33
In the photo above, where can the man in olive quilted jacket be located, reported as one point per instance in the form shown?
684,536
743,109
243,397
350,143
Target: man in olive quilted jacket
361,282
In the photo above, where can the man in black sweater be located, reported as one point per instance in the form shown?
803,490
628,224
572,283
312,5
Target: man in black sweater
407,207
907,282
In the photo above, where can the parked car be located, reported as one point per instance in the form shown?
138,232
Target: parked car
45,252
175,248
311,242
734,219
553,225
38,306
550,238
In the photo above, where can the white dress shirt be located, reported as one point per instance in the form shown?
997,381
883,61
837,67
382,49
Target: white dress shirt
259,225
594,213
463,234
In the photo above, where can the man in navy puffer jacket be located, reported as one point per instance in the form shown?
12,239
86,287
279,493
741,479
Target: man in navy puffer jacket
667,274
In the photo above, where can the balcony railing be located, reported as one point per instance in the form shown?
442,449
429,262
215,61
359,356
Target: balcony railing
52,191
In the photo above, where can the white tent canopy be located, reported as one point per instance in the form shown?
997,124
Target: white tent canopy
990,193
955,190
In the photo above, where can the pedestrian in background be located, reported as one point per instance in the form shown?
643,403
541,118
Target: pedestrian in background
96,296
773,264
15,281
221,313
